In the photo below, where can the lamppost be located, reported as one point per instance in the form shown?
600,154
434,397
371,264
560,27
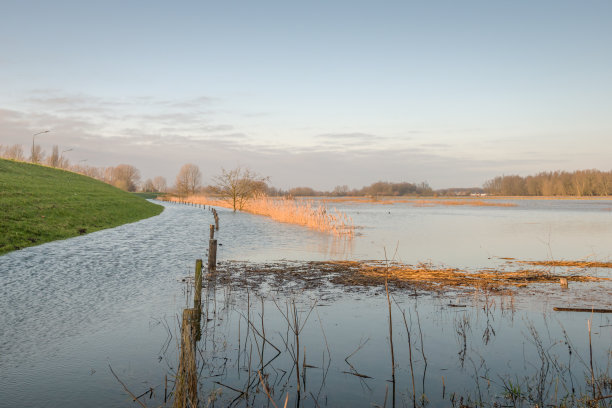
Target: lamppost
33,136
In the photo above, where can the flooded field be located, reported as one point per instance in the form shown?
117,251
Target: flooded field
277,323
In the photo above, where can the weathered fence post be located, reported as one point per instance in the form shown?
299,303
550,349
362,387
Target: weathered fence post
197,297
212,231
186,387
212,255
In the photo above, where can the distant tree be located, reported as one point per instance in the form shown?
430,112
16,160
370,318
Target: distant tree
188,180
160,184
37,155
238,186
93,172
125,177
340,190
558,183
148,186
302,192
64,163
54,159
14,152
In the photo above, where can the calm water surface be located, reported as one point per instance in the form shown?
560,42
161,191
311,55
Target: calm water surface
71,308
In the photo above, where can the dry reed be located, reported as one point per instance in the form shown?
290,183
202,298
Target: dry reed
454,277
301,212
578,264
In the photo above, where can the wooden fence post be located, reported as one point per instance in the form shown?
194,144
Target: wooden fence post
186,386
212,255
197,297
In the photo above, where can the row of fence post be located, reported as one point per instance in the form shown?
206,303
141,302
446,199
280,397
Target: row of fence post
186,385
215,215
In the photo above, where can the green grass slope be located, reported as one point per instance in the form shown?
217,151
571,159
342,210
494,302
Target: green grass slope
40,204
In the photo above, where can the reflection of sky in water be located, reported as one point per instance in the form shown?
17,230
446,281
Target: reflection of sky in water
498,343
69,308
458,236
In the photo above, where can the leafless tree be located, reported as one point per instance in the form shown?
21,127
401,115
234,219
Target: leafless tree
160,184
125,177
54,159
37,155
14,152
148,186
188,179
238,186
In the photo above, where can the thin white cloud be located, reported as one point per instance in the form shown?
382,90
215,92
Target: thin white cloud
158,136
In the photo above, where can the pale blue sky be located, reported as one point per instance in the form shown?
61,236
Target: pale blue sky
315,93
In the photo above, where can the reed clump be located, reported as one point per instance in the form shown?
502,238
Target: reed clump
301,212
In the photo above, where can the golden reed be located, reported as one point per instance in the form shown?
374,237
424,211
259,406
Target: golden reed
301,212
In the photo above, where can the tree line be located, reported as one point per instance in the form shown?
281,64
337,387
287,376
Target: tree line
579,183
379,188
240,184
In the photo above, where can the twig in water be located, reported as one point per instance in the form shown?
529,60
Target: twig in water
126,388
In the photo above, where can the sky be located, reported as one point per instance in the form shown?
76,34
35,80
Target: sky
313,93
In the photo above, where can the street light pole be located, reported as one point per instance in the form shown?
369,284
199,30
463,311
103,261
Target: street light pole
33,136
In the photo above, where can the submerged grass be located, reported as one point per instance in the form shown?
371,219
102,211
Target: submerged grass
40,204
375,273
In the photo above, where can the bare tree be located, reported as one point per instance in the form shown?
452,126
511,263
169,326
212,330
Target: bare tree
14,152
188,179
125,177
160,184
148,186
37,155
64,163
238,186
54,159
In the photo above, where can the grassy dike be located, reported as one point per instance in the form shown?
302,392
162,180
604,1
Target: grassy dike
40,204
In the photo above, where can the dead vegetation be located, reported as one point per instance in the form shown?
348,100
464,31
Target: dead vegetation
576,264
373,274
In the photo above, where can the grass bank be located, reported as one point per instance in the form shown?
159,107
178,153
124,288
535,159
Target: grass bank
39,204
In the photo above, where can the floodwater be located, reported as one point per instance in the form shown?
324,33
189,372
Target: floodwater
71,309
